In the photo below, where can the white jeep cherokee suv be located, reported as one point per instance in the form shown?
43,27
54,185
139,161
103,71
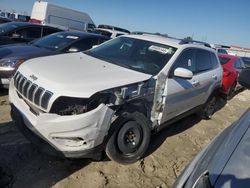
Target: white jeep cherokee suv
112,97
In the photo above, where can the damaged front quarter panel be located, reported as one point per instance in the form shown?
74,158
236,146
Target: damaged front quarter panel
158,102
133,97
150,94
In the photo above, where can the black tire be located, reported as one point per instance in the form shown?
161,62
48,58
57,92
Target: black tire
209,108
129,139
231,92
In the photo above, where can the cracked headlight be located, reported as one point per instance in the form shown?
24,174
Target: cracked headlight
73,106
10,64
69,106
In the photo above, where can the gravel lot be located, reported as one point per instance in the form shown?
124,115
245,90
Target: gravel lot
170,151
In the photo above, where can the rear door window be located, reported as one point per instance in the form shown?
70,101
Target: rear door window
214,60
48,31
30,33
203,61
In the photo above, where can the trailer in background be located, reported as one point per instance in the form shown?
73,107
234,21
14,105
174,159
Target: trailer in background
64,18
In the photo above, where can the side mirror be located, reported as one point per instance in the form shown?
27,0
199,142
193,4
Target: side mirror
73,49
183,73
244,78
16,36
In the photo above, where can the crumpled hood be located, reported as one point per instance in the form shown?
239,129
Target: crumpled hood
22,50
78,75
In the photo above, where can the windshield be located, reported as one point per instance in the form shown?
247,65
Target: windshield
140,55
56,41
6,27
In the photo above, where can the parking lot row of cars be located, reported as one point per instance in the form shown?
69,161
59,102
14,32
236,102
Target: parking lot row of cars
8,17
78,97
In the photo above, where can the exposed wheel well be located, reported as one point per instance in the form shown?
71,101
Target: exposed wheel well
141,106
216,92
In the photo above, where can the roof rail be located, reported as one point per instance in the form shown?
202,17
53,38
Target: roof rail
141,33
188,41
156,34
148,33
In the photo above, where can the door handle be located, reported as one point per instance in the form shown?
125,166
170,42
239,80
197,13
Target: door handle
214,77
195,83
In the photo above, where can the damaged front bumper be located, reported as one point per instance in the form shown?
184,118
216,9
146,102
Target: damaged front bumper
74,136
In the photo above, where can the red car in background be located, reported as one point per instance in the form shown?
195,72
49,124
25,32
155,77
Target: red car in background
232,65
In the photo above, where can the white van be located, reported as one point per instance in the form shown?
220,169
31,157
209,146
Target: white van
65,18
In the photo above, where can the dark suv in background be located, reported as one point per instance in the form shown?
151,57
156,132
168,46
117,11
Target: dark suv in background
246,61
23,32
4,20
11,56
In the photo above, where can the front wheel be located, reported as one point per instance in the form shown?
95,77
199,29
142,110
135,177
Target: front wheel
130,138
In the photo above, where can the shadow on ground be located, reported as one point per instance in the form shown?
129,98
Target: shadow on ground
3,92
21,165
158,139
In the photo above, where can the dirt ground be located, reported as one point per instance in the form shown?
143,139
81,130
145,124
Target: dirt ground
170,151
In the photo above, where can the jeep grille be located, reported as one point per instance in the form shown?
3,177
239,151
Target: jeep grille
32,92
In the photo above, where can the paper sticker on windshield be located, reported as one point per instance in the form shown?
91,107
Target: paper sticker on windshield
162,50
72,37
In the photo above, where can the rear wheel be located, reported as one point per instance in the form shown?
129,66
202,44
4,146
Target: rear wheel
231,92
209,108
130,138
